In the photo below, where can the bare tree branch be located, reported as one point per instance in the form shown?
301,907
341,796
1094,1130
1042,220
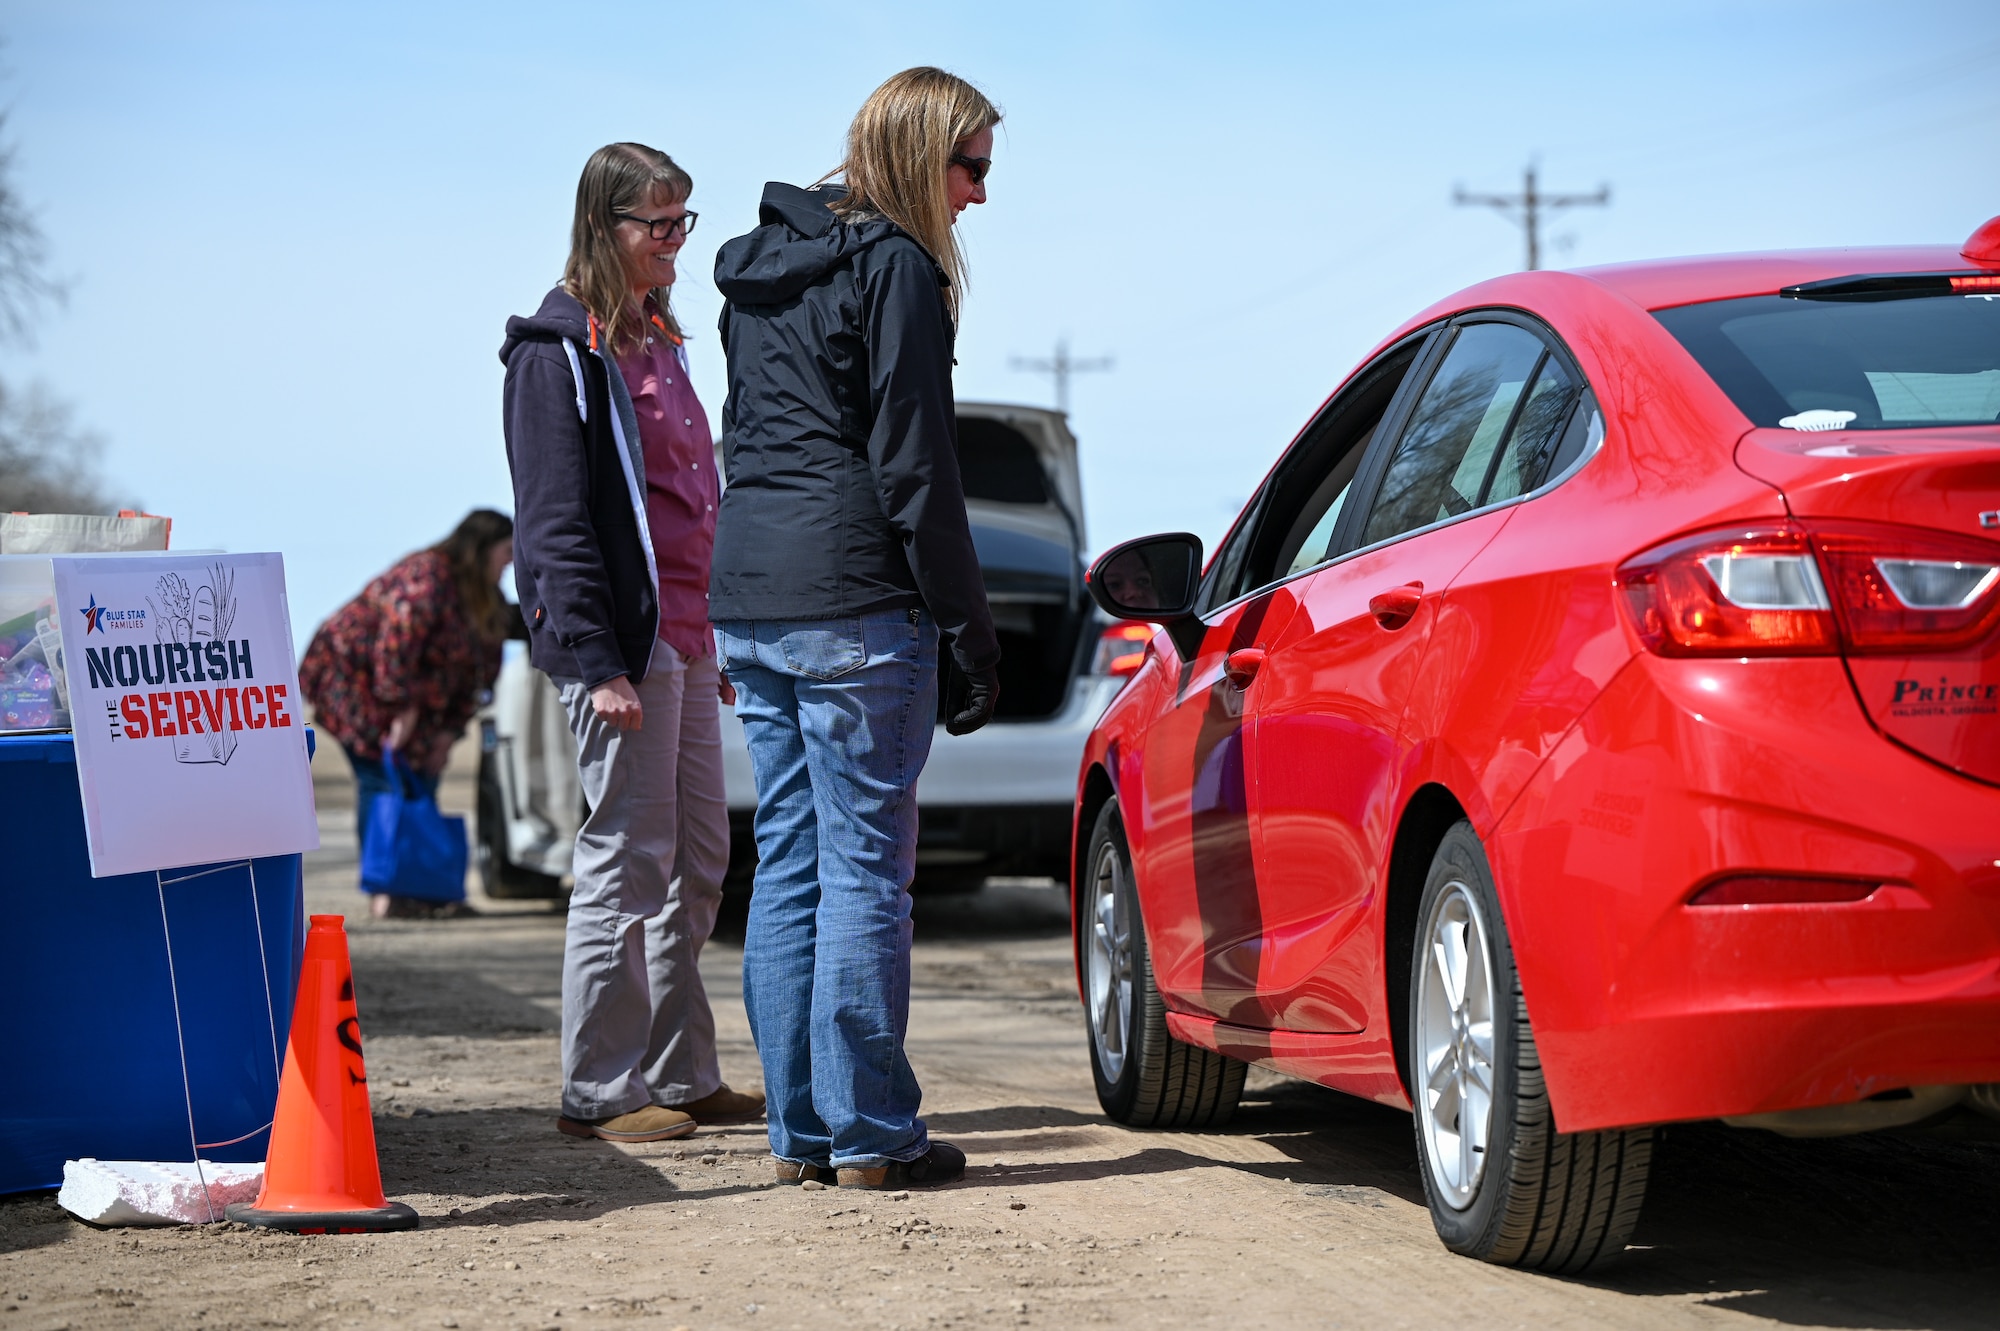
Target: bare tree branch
47,464
25,287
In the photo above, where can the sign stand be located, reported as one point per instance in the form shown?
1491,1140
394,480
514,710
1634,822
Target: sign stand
160,881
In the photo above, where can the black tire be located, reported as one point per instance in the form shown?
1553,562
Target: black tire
499,877
1537,1198
949,882
1158,1082
742,869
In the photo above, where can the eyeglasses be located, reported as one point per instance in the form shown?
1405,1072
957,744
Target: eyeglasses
976,167
662,228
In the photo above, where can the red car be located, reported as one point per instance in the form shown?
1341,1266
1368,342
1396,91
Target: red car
1592,722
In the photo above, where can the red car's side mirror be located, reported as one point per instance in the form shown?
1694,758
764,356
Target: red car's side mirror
1153,578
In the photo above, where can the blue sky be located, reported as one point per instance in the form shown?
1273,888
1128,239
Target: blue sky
294,232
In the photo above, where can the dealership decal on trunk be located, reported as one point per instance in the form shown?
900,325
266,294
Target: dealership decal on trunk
1915,697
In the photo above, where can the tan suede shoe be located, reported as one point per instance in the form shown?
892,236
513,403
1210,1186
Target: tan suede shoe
788,1172
723,1105
654,1123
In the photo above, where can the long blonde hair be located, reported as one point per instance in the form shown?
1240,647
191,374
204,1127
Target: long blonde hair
898,151
618,178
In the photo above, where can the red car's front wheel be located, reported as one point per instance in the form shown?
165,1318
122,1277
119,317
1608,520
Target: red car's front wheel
1144,1076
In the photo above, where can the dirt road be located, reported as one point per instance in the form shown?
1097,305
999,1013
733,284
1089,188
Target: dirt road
1306,1212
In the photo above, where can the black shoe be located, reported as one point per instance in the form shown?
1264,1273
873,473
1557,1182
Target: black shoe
943,1163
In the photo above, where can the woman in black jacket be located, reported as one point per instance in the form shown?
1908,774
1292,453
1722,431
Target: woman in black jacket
842,553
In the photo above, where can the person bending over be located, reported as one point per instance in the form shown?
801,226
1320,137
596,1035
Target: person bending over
401,667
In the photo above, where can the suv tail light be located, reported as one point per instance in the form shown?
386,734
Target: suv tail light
1121,649
1811,589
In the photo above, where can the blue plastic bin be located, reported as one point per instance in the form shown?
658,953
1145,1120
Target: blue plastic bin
94,1063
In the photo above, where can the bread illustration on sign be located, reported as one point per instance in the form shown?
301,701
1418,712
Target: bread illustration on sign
191,623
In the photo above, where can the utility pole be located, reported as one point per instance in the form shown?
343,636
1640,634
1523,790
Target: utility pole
1062,365
1528,208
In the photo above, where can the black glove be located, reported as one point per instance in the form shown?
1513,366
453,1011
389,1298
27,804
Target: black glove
969,699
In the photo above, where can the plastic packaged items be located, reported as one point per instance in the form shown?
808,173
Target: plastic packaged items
31,694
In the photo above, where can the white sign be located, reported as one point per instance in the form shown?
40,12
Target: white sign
185,702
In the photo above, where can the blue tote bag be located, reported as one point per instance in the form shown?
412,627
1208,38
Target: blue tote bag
410,848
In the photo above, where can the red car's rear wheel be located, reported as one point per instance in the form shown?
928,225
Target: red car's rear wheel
1503,1185
1144,1076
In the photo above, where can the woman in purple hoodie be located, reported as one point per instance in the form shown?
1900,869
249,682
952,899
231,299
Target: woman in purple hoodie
614,509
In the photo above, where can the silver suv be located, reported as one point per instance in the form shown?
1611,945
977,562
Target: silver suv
995,802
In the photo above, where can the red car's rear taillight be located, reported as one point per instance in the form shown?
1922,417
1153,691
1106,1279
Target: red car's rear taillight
1121,649
1741,592
1811,589
1900,590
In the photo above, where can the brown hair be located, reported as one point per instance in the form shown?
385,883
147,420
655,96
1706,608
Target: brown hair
465,551
898,151
618,178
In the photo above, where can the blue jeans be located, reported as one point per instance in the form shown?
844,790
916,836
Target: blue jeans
838,715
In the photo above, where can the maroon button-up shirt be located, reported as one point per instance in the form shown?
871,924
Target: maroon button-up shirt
681,487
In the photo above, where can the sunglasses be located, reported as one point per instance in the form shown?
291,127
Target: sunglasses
976,167
661,228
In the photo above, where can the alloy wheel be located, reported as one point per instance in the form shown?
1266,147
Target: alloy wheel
1455,1045
1108,966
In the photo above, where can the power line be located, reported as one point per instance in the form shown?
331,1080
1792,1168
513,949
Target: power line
1528,208
1062,365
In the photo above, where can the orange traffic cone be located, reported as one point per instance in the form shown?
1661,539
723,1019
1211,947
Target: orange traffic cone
321,1176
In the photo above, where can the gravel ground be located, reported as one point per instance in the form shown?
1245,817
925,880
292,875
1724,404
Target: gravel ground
1306,1212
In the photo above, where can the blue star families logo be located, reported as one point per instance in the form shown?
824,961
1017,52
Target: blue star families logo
93,616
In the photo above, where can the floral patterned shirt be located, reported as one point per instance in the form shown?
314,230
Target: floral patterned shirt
406,640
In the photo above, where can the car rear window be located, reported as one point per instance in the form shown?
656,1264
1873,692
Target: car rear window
1856,362
999,463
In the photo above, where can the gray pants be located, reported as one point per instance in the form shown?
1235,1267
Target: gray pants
650,857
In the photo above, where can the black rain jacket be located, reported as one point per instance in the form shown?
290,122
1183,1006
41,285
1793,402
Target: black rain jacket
839,434
583,558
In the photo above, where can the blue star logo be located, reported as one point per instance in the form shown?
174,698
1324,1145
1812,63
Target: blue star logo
93,615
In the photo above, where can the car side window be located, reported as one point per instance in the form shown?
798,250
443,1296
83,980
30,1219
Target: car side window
1311,533
1441,464
1291,524
1520,466
1225,571
1580,439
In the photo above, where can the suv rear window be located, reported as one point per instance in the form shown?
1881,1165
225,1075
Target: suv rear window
1857,362
998,463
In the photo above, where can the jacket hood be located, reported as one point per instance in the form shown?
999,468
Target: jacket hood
561,315
799,242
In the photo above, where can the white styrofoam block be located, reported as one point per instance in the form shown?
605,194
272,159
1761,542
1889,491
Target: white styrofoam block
145,1192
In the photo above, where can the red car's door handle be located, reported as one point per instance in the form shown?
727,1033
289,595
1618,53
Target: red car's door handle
1398,606
1242,666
